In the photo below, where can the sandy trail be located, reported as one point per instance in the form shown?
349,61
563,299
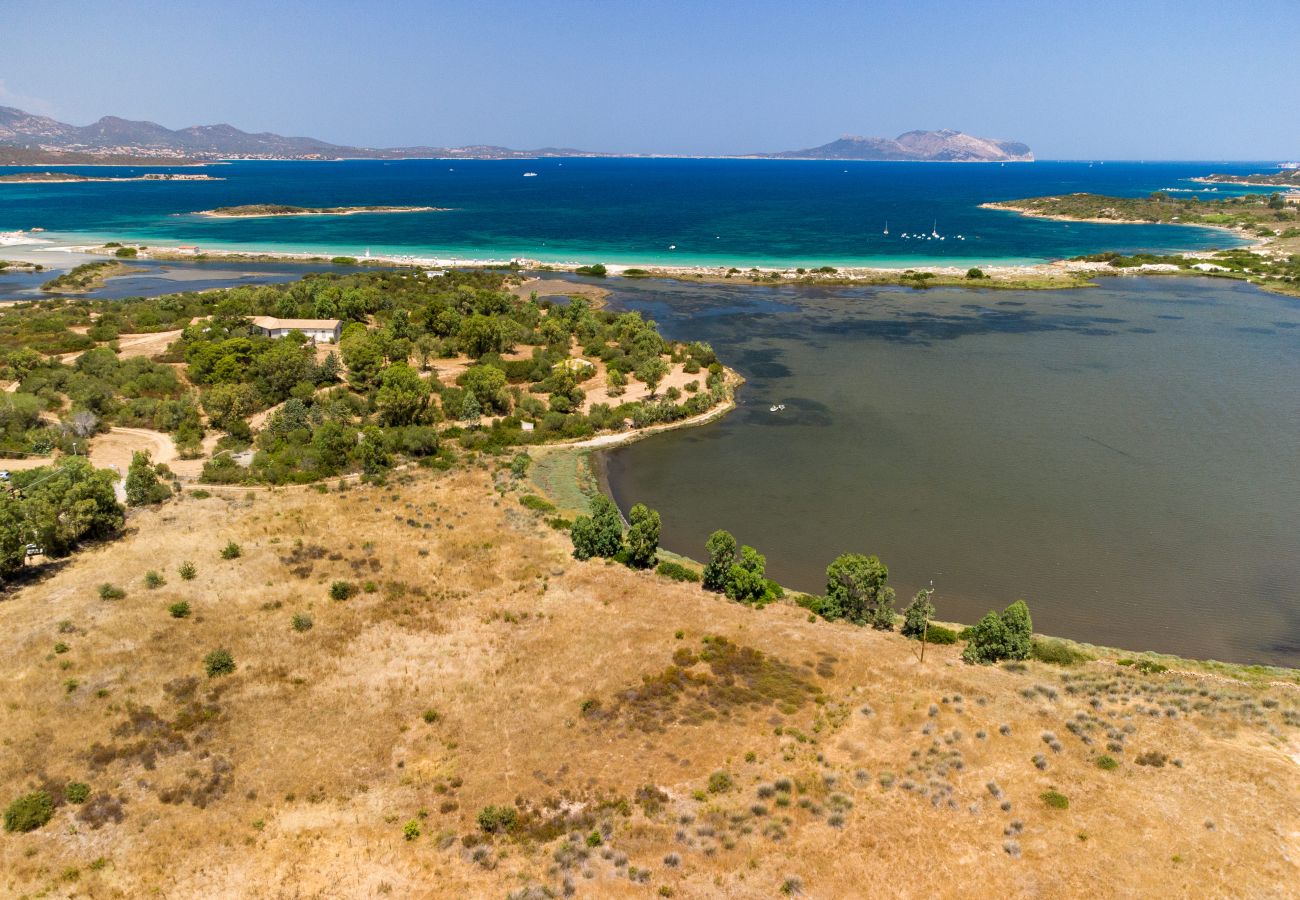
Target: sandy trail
132,345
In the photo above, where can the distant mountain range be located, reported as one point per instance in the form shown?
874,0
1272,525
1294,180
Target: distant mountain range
28,139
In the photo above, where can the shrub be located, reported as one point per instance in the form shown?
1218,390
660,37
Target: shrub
536,503
110,592
29,812
187,571
497,819
342,590
180,609
1153,758
1147,667
153,580
232,551
77,792
431,716
1107,763
1055,799
411,830
974,273
218,662
301,623
1056,652
937,634
720,783
677,572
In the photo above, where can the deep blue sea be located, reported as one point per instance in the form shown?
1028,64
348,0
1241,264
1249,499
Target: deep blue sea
646,211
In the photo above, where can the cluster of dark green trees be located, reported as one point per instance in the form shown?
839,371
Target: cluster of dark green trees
397,324
740,574
56,508
601,534
857,588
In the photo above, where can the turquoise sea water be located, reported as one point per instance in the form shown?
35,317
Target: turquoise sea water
741,212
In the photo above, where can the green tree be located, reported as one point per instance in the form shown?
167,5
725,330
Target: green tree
228,404
402,396
69,503
1005,636
601,533
643,536
13,535
470,411
480,335
283,364
333,443
374,455
856,590
362,356
142,485
746,579
721,547
488,385
917,614
652,372
330,369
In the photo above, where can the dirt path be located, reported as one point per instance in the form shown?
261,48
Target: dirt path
132,345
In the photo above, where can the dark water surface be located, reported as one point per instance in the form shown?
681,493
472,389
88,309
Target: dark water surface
1126,458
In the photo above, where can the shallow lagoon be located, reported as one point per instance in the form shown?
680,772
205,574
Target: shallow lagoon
1125,457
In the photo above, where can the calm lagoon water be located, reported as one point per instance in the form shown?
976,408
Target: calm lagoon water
1126,458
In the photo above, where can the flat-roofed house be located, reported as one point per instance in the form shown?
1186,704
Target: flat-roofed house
320,331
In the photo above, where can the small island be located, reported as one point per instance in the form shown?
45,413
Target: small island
87,277
261,210
73,178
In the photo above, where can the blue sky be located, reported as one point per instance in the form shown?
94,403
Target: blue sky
1143,79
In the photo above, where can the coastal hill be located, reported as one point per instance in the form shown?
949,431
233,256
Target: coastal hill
922,146
484,716
43,139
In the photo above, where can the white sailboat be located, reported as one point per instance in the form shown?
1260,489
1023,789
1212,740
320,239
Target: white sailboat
886,226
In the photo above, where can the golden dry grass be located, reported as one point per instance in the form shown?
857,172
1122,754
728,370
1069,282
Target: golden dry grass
295,775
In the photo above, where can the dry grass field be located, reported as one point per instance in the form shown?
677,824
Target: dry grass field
653,740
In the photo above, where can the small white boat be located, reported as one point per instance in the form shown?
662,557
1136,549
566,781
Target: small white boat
672,246
530,174
886,226
776,407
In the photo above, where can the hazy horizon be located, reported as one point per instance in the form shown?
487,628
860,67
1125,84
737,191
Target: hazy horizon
1151,80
